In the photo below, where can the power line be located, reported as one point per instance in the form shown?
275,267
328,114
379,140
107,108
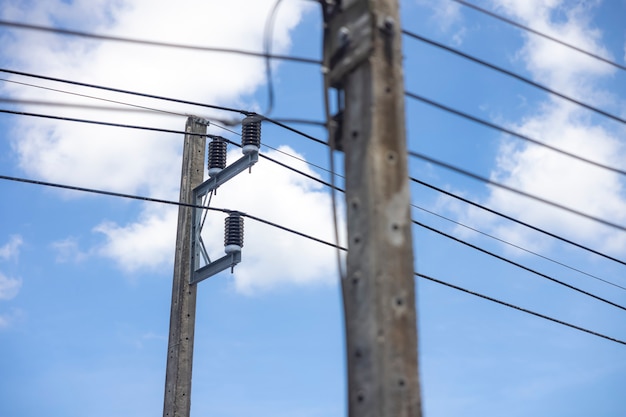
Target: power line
162,130
169,202
95,122
212,106
267,48
507,217
518,265
538,33
119,90
524,310
518,247
514,75
515,190
70,32
89,97
59,104
511,132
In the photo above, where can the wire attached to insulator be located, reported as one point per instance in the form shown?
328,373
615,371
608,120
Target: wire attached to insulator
251,134
217,156
233,233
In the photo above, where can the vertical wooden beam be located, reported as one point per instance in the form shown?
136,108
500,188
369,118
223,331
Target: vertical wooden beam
177,402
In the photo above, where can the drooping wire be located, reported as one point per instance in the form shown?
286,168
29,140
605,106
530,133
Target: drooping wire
513,219
517,264
538,33
267,48
66,105
515,190
78,33
161,130
516,76
175,100
119,90
90,97
169,202
95,122
511,132
331,185
518,247
330,128
176,203
524,310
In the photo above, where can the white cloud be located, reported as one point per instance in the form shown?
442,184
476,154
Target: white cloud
147,243
68,250
135,161
544,173
272,257
9,287
10,250
447,15
122,159
562,68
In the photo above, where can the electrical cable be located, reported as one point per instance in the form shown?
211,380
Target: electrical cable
96,122
169,202
304,161
141,198
511,132
291,129
330,129
59,31
524,310
135,106
267,48
516,76
162,130
331,185
511,262
90,97
65,105
515,190
212,106
301,121
538,33
119,90
311,177
513,219
518,247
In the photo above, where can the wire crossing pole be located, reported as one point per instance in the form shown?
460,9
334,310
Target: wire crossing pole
177,401
363,52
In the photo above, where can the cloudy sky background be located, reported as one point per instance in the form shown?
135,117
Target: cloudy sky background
85,281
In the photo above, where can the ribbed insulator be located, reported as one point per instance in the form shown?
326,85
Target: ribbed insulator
251,134
233,233
217,156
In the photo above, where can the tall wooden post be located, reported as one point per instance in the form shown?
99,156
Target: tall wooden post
177,401
364,54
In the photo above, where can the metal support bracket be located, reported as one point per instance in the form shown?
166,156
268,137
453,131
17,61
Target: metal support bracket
198,251
207,271
350,39
227,173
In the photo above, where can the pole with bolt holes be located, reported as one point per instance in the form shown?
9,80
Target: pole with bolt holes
363,56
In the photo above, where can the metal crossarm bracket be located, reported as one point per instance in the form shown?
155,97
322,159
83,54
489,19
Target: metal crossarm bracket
198,251
207,271
227,173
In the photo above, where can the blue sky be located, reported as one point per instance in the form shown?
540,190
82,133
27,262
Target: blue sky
85,281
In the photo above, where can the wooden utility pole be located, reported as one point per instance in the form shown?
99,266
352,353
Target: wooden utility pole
363,52
177,401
